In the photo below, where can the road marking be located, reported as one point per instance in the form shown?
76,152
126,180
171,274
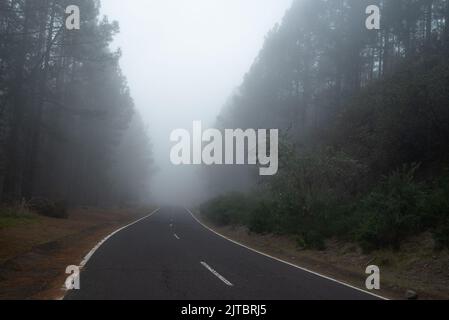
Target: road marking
91,253
176,236
99,244
215,273
280,260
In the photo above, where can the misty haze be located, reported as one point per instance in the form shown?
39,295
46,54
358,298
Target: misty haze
244,150
183,60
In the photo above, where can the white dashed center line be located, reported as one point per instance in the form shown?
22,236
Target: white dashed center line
215,273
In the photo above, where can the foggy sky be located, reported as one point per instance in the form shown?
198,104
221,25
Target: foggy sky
183,59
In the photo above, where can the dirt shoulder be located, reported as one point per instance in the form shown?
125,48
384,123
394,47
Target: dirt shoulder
416,267
35,252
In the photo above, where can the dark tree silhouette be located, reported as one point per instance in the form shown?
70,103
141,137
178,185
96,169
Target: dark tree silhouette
65,108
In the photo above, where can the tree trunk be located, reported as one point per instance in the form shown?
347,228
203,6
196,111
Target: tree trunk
33,155
11,188
446,27
428,40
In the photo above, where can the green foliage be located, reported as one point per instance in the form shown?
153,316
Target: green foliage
392,212
437,217
230,209
362,184
11,216
52,209
359,122
261,218
441,234
402,119
397,208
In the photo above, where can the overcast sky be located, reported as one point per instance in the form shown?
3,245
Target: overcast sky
183,59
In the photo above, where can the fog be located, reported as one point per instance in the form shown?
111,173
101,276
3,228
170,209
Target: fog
182,60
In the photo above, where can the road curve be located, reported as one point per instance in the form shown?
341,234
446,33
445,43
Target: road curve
170,256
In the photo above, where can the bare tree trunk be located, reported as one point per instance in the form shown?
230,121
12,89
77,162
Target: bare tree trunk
446,26
12,189
428,17
33,155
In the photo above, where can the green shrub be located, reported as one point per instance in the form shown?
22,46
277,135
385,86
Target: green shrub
11,216
262,218
437,208
229,209
393,212
397,208
314,239
300,242
441,235
52,209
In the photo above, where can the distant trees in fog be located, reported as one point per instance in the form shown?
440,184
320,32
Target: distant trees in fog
68,128
364,120
322,56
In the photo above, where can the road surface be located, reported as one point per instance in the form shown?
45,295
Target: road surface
169,255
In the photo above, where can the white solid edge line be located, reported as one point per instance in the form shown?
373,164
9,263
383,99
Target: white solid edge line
99,244
286,262
215,273
91,253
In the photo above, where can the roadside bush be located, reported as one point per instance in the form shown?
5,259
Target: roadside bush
19,211
262,218
229,209
12,215
52,209
397,208
392,212
437,206
313,239
311,192
441,235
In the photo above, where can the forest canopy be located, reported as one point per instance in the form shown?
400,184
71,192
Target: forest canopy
69,130
364,116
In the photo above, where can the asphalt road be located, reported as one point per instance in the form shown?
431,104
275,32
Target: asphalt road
169,255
